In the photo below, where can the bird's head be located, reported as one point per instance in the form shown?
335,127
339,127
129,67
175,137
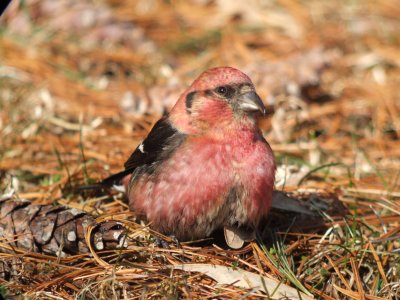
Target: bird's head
219,97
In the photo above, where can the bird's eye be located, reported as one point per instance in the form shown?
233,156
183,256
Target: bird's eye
222,90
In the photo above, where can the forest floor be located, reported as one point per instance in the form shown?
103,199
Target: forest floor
82,82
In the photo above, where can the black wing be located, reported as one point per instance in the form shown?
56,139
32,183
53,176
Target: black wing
159,144
160,139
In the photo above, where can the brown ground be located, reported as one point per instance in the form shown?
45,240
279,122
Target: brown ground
81,83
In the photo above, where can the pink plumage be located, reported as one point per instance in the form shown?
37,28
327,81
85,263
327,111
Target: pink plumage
206,165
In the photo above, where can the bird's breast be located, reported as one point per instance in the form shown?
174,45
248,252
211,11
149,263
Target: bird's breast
192,187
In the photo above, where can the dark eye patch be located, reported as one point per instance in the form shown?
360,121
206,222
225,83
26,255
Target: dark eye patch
225,91
189,100
222,90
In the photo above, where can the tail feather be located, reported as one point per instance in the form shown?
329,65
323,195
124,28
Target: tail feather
283,202
113,180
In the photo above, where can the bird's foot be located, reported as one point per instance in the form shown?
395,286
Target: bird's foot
160,243
176,241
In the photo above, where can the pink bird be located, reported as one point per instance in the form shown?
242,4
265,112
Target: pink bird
206,165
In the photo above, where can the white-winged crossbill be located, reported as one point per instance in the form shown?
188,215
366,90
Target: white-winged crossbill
205,165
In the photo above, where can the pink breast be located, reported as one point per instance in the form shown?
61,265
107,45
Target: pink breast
195,181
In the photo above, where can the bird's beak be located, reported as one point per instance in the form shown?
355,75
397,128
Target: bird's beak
251,102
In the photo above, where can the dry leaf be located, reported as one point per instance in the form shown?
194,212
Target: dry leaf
244,279
232,239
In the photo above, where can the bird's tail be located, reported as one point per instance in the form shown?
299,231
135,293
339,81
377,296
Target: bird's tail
109,182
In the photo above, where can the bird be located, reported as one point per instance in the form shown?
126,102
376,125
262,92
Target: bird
205,165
